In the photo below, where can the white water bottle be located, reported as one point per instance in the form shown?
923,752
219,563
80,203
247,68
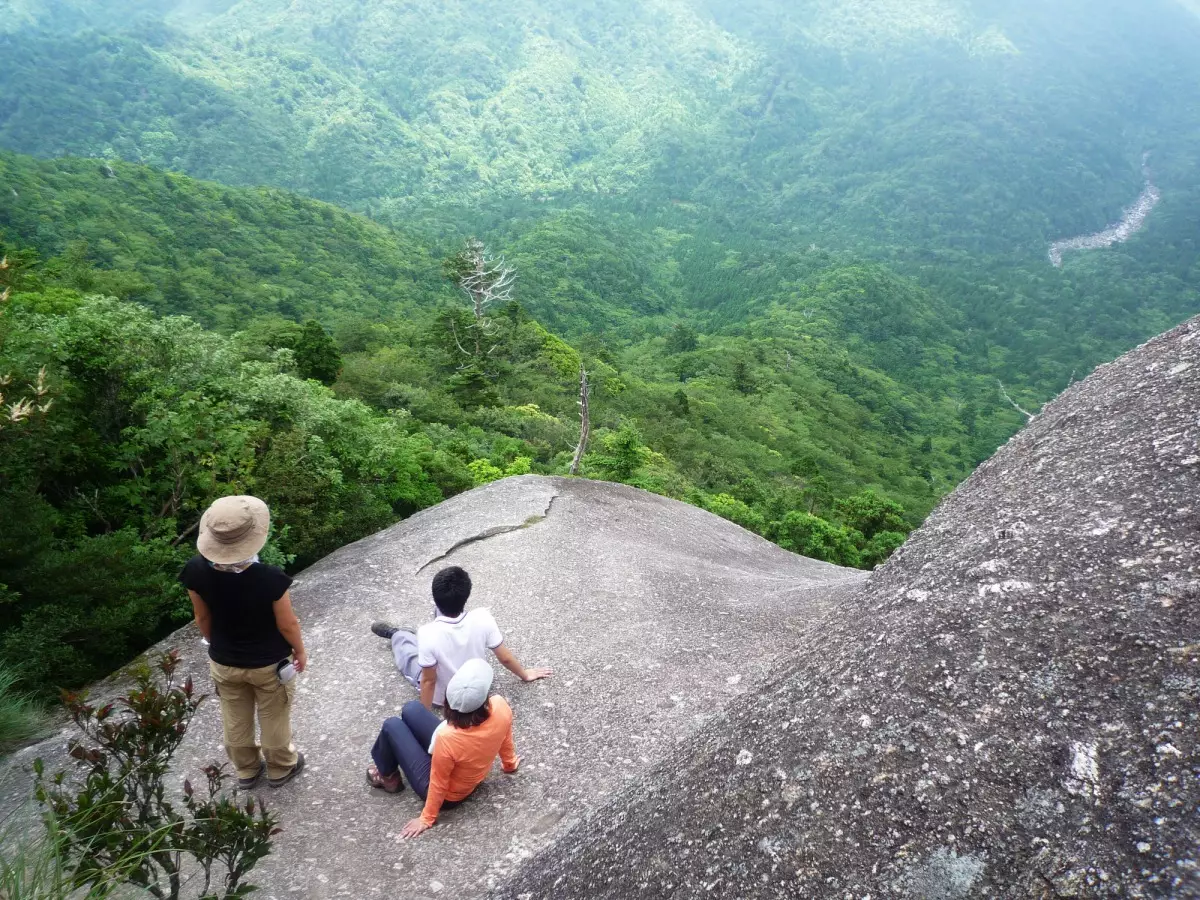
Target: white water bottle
286,670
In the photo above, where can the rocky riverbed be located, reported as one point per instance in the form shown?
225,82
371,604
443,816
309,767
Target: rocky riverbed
1131,223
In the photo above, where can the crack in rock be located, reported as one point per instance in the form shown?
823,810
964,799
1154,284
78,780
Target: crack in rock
495,531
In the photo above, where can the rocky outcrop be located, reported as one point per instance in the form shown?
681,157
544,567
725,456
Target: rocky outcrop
653,614
1010,708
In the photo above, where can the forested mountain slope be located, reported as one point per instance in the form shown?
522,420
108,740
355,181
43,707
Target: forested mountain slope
372,100
189,247
699,141
855,346
831,423
944,121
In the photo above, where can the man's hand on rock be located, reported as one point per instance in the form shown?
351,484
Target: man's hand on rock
413,828
513,770
513,665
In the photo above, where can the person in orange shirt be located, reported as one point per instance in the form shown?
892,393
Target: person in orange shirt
445,761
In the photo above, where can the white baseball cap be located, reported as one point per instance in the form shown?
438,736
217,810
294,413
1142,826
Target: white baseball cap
468,689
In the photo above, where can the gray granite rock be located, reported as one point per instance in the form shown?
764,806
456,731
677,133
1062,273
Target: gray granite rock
654,615
1010,708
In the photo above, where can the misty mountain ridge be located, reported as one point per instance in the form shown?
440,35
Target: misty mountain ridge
405,108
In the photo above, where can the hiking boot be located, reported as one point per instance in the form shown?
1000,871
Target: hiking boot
384,630
296,770
247,783
390,784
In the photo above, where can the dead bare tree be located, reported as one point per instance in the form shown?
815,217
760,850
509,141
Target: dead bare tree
585,422
1003,393
486,280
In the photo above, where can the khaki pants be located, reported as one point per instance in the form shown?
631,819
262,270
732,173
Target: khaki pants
242,692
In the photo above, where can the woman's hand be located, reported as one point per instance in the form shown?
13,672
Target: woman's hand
413,828
513,770
300,660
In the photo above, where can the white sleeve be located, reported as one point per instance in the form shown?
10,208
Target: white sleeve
433,739
425,657
492,636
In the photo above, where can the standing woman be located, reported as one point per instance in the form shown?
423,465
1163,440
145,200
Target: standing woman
245,612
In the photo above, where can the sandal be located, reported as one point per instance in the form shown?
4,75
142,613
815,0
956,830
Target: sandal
391,784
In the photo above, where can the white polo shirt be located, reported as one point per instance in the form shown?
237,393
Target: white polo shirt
448,643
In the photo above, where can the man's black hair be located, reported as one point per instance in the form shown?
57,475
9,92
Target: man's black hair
451,588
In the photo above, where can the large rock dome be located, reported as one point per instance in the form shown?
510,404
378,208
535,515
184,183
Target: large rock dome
653,614
1010,708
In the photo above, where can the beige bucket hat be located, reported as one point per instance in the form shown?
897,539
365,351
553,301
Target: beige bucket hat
233,529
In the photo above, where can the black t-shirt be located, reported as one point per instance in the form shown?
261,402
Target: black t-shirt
244,633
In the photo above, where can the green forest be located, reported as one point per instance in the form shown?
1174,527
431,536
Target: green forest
799,248
281,346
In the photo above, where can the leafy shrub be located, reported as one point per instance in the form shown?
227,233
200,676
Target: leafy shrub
620,455
870,513
317,355
736,511
880,547
529,423
814,537
89,608
522,465
484,472
111,820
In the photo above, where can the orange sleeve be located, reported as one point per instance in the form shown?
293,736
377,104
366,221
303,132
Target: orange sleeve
508,751
439,782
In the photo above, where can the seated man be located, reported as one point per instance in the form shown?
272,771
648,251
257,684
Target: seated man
430,658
